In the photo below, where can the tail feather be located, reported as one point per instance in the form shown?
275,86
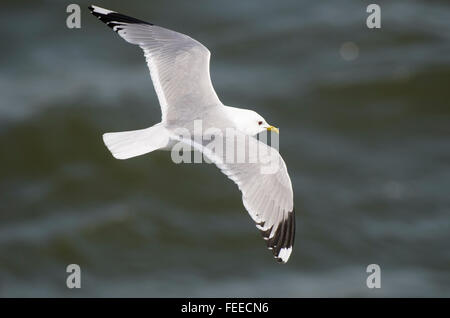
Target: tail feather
128,144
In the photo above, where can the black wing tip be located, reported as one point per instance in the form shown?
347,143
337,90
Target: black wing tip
112,19
282,241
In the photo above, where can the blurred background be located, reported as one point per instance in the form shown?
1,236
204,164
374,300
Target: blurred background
365,127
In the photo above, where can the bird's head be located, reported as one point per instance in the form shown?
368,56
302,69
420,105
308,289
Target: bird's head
250,122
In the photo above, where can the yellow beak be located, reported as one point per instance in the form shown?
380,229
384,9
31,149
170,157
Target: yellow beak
272,128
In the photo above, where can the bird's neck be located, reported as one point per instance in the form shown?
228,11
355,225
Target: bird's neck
235,114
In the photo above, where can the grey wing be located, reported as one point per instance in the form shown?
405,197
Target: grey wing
266,189
179,65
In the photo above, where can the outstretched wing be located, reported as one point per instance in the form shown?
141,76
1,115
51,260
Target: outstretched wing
266,188
179,65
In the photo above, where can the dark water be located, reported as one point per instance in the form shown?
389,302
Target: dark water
366,142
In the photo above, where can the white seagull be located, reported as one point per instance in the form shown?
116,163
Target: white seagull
179,68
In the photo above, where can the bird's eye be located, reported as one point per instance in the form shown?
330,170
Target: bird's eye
260,122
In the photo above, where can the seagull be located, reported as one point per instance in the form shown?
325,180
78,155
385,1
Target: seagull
179,69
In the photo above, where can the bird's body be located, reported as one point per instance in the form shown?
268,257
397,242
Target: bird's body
179,67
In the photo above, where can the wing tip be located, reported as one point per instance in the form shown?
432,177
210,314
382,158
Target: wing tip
112,18
282,241
283,255
98,10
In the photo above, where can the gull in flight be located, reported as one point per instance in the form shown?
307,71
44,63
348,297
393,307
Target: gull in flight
179,68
